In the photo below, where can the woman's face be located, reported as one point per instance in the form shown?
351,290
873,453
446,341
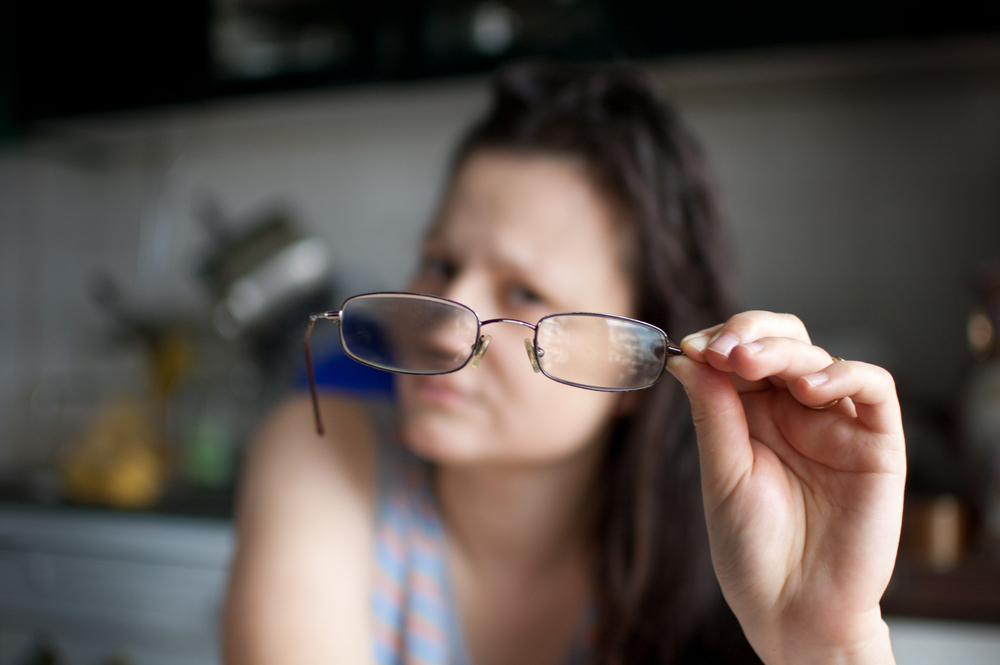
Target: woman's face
519,237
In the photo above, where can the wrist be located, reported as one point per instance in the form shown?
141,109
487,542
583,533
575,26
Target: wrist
873,649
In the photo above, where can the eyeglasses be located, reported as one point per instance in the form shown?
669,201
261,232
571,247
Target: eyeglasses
409,333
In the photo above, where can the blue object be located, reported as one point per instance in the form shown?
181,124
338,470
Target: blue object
338,372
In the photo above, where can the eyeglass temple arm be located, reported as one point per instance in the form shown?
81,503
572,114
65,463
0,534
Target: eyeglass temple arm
313,318
673,349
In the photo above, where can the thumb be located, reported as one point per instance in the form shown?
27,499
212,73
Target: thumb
720,422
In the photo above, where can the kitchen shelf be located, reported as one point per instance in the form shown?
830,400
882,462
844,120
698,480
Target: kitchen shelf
179,499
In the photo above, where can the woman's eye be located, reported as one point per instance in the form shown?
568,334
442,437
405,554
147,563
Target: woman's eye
522,295
438,268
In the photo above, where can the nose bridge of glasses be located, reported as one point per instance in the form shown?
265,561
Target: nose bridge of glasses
517,321
327,316
484,341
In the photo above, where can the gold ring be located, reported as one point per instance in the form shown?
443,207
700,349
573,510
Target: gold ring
836,359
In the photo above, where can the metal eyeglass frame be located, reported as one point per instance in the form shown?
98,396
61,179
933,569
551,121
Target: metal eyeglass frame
478,349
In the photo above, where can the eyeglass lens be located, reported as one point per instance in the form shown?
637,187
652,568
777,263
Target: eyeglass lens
410,334
597,351
424,335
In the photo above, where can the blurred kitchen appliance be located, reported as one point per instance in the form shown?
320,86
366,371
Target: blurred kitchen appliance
120,457
264,278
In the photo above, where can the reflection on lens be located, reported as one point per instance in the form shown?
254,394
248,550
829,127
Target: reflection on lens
408,333
598,351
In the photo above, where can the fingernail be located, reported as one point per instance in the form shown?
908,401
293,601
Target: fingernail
697,341
754,347
817,379
724,343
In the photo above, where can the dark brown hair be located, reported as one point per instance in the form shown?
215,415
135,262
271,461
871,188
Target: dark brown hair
659,599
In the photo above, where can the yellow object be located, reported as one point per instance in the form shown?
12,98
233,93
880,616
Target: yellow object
171,356
532,356
117,462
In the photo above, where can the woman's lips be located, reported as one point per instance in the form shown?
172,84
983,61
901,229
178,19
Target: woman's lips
439,392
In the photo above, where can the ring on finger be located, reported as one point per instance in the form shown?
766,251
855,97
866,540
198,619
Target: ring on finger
836,359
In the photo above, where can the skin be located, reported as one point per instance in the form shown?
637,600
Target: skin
803,506
517,452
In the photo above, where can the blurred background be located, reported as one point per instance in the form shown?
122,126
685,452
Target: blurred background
181,185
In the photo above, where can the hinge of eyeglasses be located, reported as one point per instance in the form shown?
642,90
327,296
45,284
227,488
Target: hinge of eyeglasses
480,351
313,318
532,355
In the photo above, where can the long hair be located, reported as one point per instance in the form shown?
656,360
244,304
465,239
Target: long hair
659,601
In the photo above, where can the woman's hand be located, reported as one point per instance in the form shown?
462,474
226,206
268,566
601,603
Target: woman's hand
803,505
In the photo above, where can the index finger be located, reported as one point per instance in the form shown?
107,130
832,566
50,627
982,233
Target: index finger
713,345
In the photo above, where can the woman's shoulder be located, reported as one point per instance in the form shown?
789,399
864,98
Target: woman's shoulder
298,485
359,462
305,536
288,450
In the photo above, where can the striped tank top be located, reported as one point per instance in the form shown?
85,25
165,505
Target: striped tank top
415,617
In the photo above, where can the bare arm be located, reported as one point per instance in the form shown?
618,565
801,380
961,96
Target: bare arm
300,582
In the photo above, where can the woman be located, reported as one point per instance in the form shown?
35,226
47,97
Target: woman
534,522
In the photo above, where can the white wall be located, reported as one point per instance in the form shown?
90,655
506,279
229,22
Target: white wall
924,642
361,168
862,185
